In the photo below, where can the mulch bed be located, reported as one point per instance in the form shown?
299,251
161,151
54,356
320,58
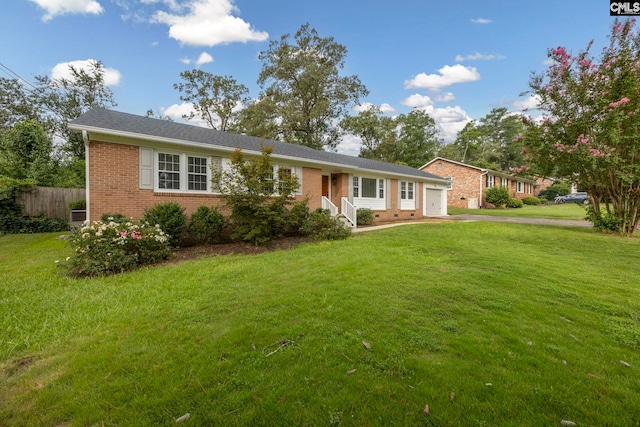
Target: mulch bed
242,248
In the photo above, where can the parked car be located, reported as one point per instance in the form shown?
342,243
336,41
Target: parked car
579,197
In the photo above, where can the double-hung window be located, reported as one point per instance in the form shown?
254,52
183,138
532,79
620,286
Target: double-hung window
520,187
182,172
169,171
197,173
490,181
407,195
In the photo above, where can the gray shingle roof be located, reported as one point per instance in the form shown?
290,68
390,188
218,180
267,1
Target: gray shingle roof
110,122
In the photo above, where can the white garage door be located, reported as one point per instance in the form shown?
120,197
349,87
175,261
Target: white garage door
433,202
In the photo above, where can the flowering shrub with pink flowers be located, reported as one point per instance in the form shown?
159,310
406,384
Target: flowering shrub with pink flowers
109,247
589,133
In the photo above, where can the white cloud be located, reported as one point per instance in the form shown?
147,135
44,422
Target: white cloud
208,23
449,120
417,101
171,4
530,103
384,108
387,108
55,8
449,75
445,97
349,145
112,76
362,107
176,111
204,58
479,56
481,21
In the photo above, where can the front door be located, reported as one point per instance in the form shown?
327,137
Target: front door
325,186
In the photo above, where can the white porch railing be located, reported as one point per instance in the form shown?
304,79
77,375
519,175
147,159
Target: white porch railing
326,204
350,212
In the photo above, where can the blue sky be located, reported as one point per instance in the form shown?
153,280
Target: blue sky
456,60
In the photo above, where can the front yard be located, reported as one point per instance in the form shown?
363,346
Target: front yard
567,211
487,324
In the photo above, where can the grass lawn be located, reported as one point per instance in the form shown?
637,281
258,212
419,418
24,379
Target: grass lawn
486,323
566,211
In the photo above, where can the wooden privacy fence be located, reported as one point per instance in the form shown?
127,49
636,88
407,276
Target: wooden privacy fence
51,202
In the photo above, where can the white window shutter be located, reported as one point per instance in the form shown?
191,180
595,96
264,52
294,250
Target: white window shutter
416,194
387,192
297,170
146,168
350,195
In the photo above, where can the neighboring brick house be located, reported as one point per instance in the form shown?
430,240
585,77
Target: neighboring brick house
469,183
136,162
543,183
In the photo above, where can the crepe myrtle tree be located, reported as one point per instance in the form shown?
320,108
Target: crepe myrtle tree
589,133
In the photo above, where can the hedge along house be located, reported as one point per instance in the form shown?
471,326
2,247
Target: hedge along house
136,162
470,183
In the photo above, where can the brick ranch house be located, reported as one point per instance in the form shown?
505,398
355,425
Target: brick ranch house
136,162
470,183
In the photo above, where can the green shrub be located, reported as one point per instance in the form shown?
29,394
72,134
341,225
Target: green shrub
531,201
555,190
606,222
364,216
78,204
497,196
257,199
206,225
514,203
170,217
322,226
104,248
9,189
19,224
297,217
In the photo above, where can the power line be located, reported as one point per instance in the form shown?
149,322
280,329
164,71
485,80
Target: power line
11,72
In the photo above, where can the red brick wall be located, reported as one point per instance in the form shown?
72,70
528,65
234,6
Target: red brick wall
312,187
466,182
114,183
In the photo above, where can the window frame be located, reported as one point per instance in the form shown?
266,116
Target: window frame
520,187
490,181
183,172
377,187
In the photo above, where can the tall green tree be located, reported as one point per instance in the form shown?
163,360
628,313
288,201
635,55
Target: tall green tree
418,140
17,104
490,142
216,99
304,87
410,139
377,134
590,133
67,98
26,152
